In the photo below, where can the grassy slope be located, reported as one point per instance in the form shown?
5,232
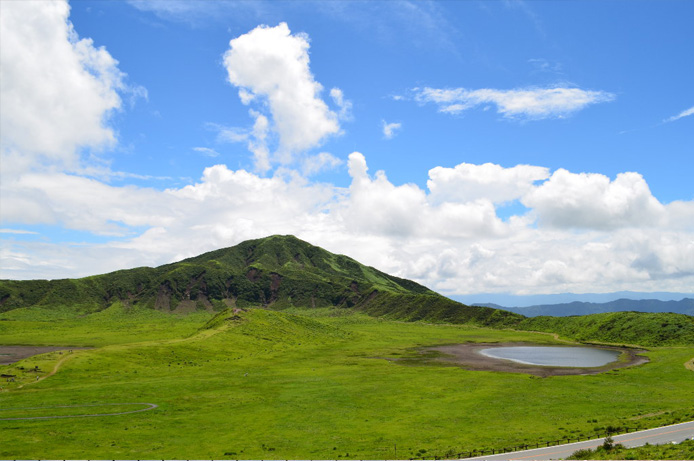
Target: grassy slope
313,384
642,328
684,450
115,325
284,272
281,270
278,271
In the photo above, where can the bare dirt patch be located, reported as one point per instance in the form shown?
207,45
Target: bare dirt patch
12,354
468,356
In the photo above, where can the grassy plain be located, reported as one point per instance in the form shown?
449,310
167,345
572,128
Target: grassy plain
304,384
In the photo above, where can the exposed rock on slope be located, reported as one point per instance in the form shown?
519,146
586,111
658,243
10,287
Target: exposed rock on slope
275,272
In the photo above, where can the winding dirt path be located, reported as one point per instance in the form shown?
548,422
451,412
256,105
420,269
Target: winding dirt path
56,367
54,371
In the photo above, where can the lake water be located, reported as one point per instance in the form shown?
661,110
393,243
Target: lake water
554,356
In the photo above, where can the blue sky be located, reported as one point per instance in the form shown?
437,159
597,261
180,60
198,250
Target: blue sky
512,147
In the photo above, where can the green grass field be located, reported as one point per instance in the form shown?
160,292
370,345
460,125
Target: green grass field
303,384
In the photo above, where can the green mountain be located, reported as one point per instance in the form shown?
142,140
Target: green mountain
276,272
280,272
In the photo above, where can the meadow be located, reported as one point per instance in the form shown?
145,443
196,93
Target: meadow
303,384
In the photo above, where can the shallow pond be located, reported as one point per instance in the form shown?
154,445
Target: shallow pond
554,356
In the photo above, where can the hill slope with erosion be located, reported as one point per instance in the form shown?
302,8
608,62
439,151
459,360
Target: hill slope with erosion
281,272
275,272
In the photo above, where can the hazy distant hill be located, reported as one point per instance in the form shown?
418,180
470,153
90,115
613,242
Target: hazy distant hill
683,306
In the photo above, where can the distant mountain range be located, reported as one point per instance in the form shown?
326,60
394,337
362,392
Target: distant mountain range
512,300
683,306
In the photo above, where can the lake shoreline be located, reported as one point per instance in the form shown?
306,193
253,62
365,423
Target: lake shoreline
468,356
13,354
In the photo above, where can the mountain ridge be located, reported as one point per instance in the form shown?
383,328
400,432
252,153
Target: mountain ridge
682,306
281,272
277,272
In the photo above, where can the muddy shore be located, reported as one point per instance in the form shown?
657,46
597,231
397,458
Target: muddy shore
468,356
12,354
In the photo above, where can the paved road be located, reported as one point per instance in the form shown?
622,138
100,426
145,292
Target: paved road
660,435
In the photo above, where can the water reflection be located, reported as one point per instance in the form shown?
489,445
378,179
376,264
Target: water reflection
554,356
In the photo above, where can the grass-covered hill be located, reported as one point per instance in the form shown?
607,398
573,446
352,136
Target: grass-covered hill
643,328
281,272
276,272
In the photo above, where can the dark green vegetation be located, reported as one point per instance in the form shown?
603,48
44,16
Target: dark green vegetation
281,272
684,450
642,328
277,272
309,373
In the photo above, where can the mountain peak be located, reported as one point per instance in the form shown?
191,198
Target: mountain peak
279,271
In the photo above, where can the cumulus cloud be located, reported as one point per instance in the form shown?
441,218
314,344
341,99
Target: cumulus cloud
378,206
583,232
524,103
390,129
57,90
84,204
466,182
684,113
583,200
271,65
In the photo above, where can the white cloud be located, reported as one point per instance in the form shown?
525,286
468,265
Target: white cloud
684,113
525,103
321,162
582,232
17,231
592,234
378,206
466,182
272,65
83,204
229,133
569,200
206,151
390,129
57,90
345,106
258,142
